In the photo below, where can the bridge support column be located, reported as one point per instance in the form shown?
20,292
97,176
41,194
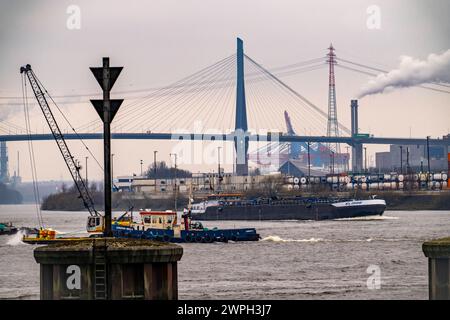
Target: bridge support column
4,176
241,143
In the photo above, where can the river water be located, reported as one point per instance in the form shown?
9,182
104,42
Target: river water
295,259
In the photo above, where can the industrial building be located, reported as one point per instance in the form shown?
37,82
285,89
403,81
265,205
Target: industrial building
299,169
201,183
401,158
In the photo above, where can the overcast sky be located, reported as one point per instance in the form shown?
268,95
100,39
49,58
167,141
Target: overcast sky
159,42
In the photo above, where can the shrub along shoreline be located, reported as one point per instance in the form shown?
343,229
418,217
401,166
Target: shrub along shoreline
69,200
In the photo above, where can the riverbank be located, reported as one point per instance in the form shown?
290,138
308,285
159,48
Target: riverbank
70,201
395,200
417,201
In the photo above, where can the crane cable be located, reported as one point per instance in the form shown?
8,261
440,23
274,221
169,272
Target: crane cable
37,197
76,133
68,122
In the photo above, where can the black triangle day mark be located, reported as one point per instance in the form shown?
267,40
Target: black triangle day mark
98,74
98,106
114,73
115,105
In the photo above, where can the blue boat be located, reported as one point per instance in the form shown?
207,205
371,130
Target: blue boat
163,226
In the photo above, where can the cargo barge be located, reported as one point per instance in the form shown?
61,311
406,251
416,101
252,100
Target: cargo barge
227,207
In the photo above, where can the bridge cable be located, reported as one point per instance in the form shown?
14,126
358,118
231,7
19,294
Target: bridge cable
289,101
180,86
168,94
200,106
220,100
259,102
222,91
166,90
166,97
296,93
273,146
183,98
279,87
294,113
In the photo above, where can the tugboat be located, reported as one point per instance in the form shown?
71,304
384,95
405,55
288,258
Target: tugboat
159,226
163,226
290,208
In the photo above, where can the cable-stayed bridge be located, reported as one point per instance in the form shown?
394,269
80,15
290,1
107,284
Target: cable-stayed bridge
235,99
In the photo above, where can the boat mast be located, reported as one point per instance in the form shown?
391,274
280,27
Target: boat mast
190,197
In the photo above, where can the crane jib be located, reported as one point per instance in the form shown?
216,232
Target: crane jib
60,141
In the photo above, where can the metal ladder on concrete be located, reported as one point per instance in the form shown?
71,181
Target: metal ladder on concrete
100,285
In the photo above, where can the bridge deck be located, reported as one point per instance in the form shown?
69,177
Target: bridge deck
229,137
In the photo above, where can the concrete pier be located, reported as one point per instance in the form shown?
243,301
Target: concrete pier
109,268
438,254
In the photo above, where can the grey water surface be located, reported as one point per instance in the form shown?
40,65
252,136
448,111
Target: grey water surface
294,259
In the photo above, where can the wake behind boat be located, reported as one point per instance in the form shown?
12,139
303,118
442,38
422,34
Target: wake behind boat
233,207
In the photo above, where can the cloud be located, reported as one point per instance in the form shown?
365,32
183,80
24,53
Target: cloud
411,72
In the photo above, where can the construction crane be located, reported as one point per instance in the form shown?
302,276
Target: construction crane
95,222
295,148
289,127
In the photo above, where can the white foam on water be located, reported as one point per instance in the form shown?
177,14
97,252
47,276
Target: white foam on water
279,239
16,239
312,240
367,218
356,240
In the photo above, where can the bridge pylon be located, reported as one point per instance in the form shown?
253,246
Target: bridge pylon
241,141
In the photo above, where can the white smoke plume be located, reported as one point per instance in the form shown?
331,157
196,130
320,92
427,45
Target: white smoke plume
411,72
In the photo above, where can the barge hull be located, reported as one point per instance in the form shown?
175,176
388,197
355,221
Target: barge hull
288,212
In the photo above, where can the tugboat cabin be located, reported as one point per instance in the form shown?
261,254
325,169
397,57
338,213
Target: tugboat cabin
158,219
